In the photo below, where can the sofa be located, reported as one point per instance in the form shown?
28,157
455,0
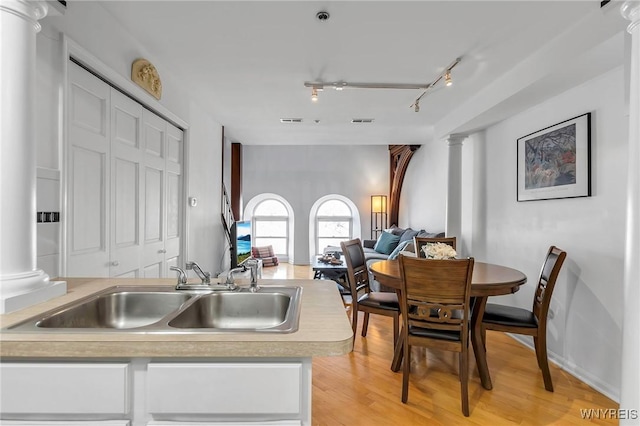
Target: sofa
389,245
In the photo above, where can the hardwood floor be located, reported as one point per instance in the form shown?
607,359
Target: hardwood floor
360,389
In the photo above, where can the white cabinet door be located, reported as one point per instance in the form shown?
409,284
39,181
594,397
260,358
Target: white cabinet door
222,423
271,389
89,118
51,388
65,423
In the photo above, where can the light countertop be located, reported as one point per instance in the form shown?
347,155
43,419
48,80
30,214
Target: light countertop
324,330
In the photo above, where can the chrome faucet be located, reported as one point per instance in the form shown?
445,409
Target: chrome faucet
204,276
182,276
253,267
229,281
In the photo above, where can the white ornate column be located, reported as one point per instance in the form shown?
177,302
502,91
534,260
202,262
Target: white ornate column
630,390
453,225
21,283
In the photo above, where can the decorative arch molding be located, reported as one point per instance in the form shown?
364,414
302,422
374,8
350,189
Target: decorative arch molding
399,157
355,217
253,203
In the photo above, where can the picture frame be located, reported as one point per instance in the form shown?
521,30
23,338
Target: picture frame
555,162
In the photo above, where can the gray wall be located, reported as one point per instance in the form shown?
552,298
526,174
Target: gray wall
302,174
585,333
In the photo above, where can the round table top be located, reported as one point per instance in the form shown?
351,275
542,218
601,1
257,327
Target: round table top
488,279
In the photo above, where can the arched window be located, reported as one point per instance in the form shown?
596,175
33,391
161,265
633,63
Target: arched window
333,223
271,223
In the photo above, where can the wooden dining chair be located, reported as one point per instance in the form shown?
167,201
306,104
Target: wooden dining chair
436,297
418,242
362,298
532,322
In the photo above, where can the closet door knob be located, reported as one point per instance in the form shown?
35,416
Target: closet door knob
162,251
115,263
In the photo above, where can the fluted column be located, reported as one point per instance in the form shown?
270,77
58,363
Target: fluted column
21,283
630,390
453,225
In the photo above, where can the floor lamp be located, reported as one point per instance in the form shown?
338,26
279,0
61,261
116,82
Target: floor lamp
378,215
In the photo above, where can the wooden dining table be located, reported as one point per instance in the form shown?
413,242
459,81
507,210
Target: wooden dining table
487,280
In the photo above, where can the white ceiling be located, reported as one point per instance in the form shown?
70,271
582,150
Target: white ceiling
248,61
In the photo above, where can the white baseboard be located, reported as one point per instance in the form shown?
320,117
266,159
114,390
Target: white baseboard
581,374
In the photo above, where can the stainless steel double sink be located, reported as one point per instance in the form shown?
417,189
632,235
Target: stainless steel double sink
162,309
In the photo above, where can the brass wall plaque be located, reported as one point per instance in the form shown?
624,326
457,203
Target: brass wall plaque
145,75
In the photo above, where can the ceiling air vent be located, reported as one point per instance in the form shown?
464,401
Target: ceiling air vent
291,120
361,120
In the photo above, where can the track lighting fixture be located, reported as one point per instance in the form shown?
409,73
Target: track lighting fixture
446,74
317,86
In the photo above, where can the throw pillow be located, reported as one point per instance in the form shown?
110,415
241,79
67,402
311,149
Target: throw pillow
386,243
401,246
424,233
395,230
408,234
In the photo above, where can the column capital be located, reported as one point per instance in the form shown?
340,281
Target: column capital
30,11
456,139
631,10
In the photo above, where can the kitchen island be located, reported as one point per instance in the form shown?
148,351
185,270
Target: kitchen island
133,378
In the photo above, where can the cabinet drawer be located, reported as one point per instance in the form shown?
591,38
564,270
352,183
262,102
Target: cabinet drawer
230,423
65,423
225,388
64,388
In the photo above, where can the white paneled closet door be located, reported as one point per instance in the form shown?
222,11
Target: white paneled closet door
89,150
175,149
127,152
162,195
125,184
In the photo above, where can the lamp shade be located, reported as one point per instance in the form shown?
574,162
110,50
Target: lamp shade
378,204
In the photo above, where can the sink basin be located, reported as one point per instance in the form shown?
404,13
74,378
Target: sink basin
268,310
162,309
121,310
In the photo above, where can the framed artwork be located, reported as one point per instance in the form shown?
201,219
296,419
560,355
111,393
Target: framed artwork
555,162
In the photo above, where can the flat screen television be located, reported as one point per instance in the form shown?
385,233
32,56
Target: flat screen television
242,242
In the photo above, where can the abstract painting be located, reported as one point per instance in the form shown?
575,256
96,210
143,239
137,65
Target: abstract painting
555,162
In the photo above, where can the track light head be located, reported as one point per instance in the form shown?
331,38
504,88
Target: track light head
447,78
416,106
314,94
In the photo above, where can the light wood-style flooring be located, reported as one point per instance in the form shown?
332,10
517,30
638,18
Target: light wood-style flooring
360,389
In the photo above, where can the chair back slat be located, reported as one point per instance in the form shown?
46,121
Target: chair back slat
547,281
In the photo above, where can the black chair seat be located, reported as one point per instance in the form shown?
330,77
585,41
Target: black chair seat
383,300
431,333
509,316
